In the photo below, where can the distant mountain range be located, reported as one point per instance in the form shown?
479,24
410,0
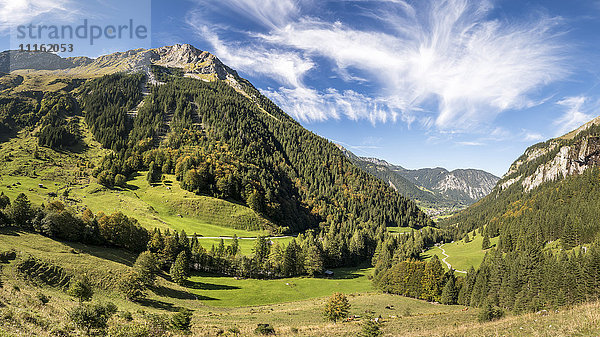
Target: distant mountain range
435,188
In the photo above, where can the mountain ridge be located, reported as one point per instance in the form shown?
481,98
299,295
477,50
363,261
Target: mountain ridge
437,188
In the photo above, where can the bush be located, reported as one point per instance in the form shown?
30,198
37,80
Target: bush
337,307
264,329
182,320
81,289
90,317
370,328
147,268
129,330
42,298
132,286
490,313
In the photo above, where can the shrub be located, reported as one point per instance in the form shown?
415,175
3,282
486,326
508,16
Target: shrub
132,286
147,268
370,328
182,320
42,298
490,313
337,307
80,288
129,330
264,329
90,317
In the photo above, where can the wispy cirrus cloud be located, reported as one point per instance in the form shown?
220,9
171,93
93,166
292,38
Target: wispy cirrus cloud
577,113
446,54
17,12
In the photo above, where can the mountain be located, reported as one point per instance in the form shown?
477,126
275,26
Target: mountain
179,110
436,188
550,194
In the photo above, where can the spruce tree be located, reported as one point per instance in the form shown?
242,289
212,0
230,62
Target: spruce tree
450,293
20,211
179,269
486,242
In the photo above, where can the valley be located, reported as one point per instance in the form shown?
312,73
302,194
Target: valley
164,183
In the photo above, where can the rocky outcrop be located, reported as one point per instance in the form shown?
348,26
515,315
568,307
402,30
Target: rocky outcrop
568,155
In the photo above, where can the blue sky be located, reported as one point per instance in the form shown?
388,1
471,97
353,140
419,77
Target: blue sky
420,83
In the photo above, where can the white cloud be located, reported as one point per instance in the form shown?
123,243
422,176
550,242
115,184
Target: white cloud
269,13
447,56
574,115
17,12
309,104
532,137
470,143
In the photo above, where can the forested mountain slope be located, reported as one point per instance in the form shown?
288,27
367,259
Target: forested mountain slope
545,213
178,110
549,193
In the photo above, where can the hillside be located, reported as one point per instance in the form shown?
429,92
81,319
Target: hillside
32,310
437,190
553,185
266,143
544,215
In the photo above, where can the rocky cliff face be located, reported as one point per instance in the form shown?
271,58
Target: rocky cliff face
570,154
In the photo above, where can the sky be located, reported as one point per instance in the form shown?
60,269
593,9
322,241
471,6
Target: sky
423,83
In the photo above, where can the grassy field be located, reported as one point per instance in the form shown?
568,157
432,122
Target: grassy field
246,245
399,230
462,255
292,306
231,292
24,166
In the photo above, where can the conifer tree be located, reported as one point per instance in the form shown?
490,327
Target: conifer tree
486,242
337,307
20,211
179,269
450,293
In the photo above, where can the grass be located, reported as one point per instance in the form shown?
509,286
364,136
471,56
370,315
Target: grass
163,205
231,292
462,255
292,306
400,230
245,245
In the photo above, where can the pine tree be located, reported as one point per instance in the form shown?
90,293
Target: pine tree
450,293
179,269
467,238
486,242
337,307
